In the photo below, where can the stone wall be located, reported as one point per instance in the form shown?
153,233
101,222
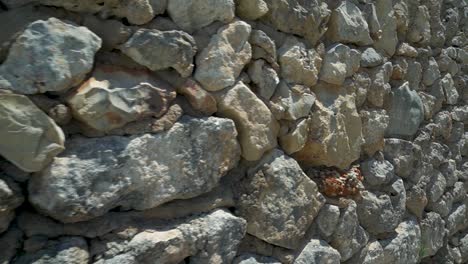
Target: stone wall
233,131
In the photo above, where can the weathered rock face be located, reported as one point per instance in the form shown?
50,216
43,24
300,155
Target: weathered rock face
335,134
30,139
49,56
339,63
374,124
219,64
115,96
405,246
197,14
275,181
159,50
256,125
317,251
141,172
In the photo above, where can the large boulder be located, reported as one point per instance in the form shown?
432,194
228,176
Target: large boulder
49,56
221,62
348,25
30,139
278,200
139,172
256,124
196,14
102,102
159,50
335,135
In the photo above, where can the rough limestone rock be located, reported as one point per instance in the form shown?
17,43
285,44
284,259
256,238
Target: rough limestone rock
49,56
115,96
371,253
370,58
263,47
251,9
256,125
30,139
307,18
10,198
221,62
327,219
374,125
292,102
317,251
388,23
406,113
296,138
159,50
208,238
298,64
451,93
432,234
264,77
419,30
381,211
377,171
348,25
404,155
404,247
339,62
139,172
136,12
335,134
196,14
278,200
63,250
199,98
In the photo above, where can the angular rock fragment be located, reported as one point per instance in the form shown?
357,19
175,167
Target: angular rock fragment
256,125
30,139
296,138
251,9
347,25
196,14
374,124
377,171
278,200
317,251
292,102
115,96
339,63
404,155
432,234
405,246
388,23
159,50
264,77
219,64
95,175
370,58
49,56
263,47
199,99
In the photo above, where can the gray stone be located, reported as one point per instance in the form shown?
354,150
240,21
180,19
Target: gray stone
317,251
251,9
103,102
436,186
377,171
256,125
457,219
296,138
388,23
416,200
300,17
222,61
254,259
381,211
327,219
159,50
49,56
349,237
372,253
406,113
112,32
347,25
30,139
431,72
464,248
278,200
374,124
263,47
82,184
196,14
380,88
72,250
419,30
292,101
264,77
10,199
432,234
298,64
339,62
136,12
451,94
370,58
404,247
207,238
404,155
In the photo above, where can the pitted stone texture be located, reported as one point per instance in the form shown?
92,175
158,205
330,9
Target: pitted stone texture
115,96
264,77
404,155
256,125
348,25
404,247
406,113
196,14
137,12
292,102
207,238
296,138
139,172
318,251
388,23
432,234
339,62
377,171
49,56
306,18
335,135
159,50
29,138
298,64
278,200
221,62
374,124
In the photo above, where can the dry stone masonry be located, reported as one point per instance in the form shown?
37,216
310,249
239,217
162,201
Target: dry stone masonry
234,131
